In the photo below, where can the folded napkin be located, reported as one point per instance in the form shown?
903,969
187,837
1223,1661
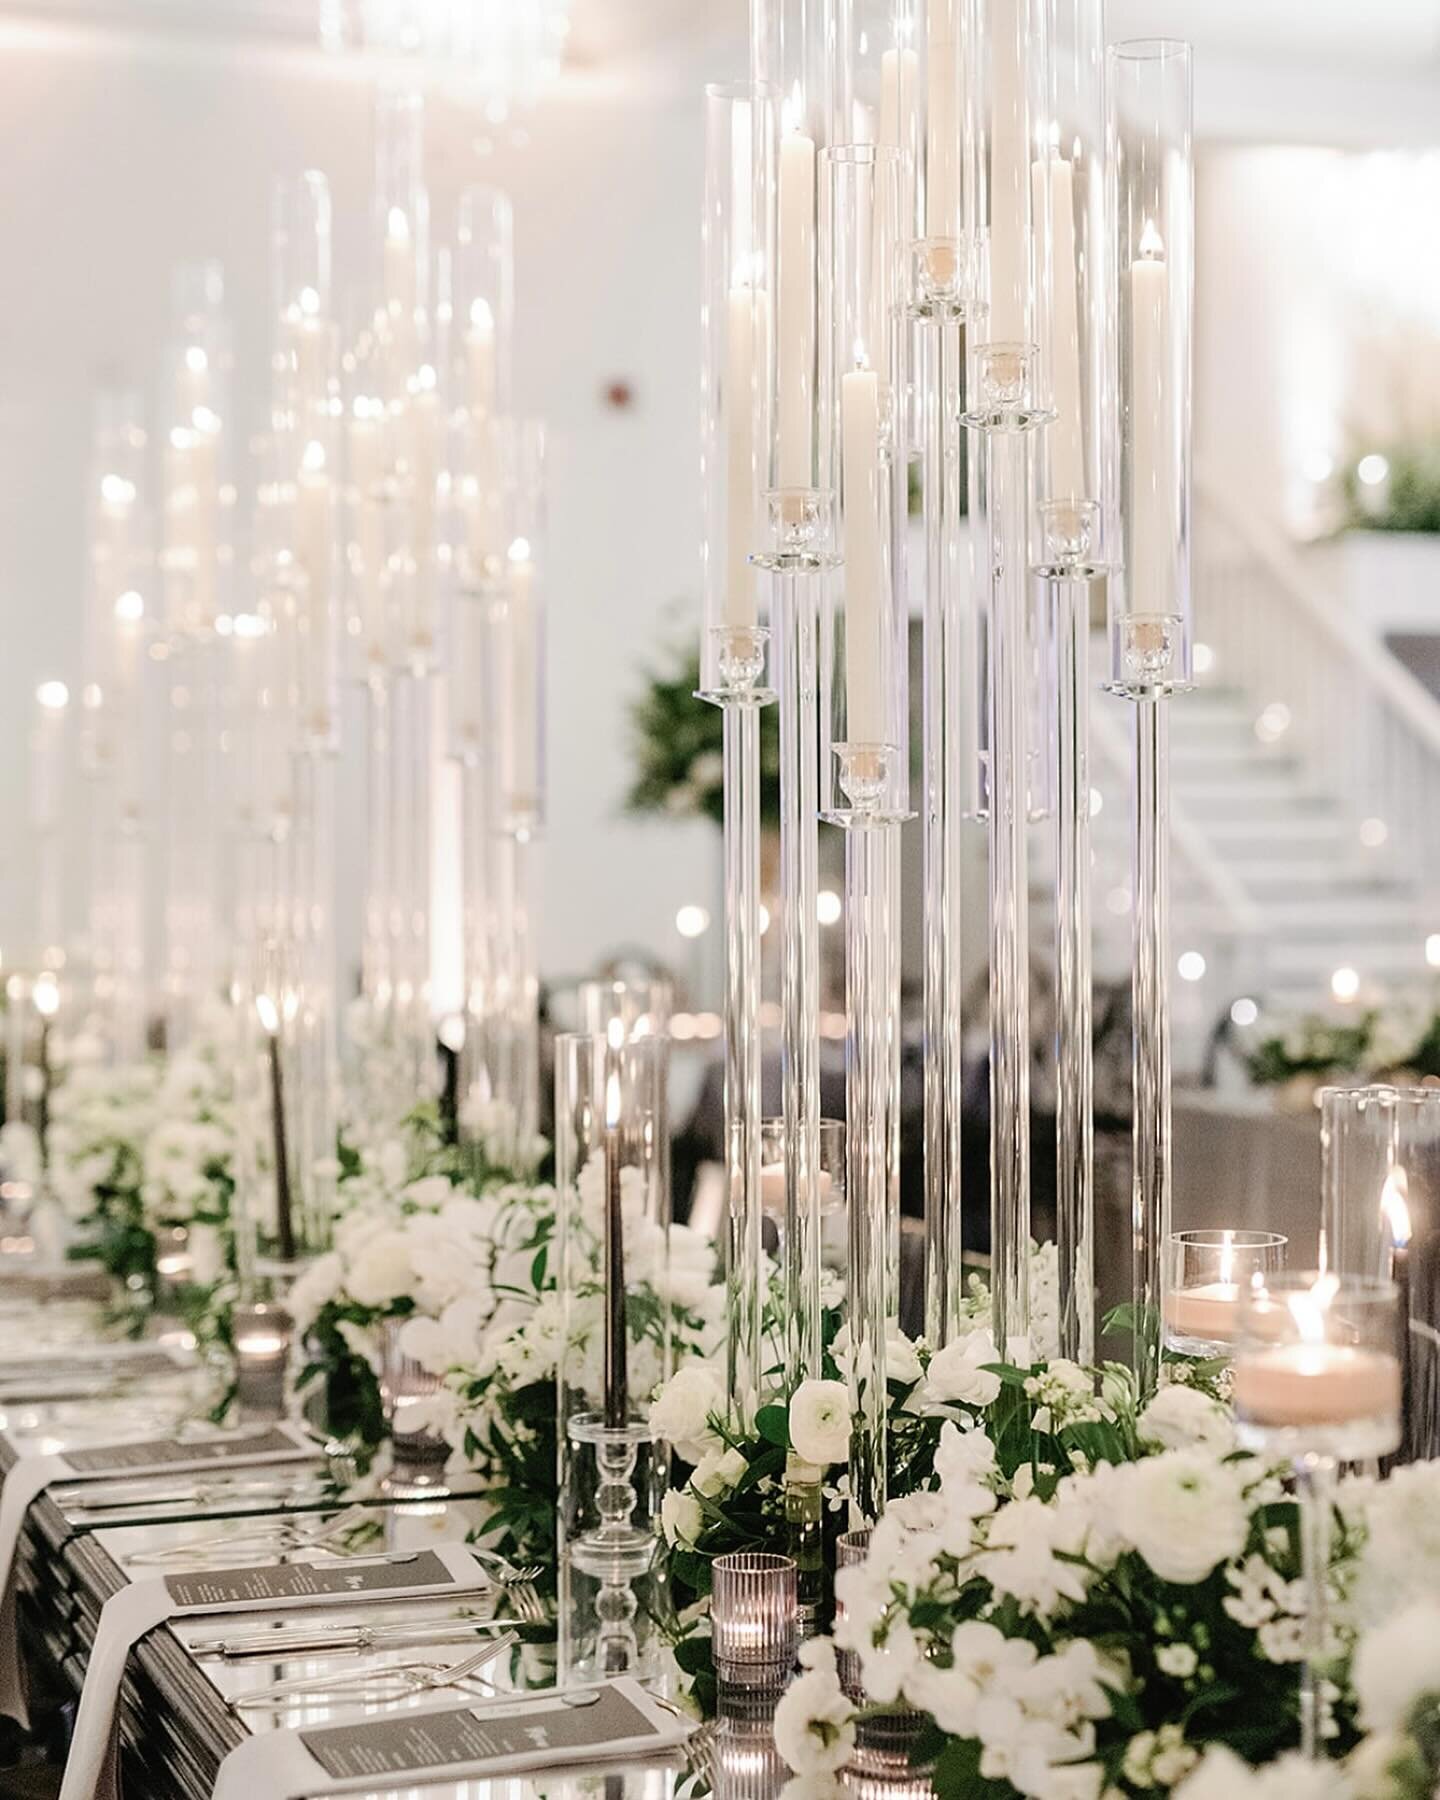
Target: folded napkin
93,1766
485,1739
29,1478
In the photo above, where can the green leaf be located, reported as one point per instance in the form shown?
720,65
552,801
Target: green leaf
773,1424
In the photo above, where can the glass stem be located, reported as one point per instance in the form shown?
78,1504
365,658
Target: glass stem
742,1048
1074,1125
1007,522
1150,1210
944,715
871,1145
376,971
796,663
1313,1480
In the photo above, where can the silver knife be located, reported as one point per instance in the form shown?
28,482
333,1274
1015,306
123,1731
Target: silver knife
280,1644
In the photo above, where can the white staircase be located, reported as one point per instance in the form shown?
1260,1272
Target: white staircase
1305,798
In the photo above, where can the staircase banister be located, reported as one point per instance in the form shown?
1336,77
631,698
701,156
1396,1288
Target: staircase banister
1373,663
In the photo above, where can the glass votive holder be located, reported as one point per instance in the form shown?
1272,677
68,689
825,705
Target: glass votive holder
831,1179
262,1335
1205,1273
406,1390
1317,1368
754,1605
746,1764
851,1547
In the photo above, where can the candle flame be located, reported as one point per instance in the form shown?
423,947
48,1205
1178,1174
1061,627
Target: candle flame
269,1017
313,460
1227,1257
1152,245
481,317
612,1100
46,995
1394,1207
1309,1309
792,113
397,226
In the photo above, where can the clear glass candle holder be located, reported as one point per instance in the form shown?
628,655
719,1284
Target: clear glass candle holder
1205,1274
173,1265
851,1549
1317,1367
772,1175
754,1617
1317,1379
406,1389
262,1333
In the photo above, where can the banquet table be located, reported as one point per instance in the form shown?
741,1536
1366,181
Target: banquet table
178,1714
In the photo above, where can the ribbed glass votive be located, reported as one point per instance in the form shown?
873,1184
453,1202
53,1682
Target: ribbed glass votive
851,1547
754,1609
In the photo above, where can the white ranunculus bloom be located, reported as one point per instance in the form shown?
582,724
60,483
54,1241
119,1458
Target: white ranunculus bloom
1401,1553
681,1411
815,1724
957,1374
1184,1512
820,1422
1181,1416
1396,1664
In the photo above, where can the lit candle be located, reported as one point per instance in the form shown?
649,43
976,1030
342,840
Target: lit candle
617,1382
1209,1312
743,341
795,330
860,493
1150,578
480,359
1065,436
1316,1384
1395,1210
1009,178
399,264
284,1219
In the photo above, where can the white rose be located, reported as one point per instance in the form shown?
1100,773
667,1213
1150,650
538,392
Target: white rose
1397,1664
957,1373
681,1516
1181,1416
820,1422
1184,1512
681,1411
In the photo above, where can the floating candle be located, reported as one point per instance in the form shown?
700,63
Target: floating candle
1316,1384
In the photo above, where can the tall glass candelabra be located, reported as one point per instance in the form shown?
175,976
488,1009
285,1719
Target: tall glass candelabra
1074,471
1010,389
864,761
739,193
1149,151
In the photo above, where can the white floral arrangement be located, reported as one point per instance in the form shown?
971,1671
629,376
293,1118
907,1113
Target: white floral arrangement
1122,1613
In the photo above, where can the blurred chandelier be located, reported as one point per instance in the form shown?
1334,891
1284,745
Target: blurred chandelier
505,51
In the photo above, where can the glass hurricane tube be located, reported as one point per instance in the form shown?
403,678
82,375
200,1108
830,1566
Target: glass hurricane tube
871,1142
1074,1120
742,1046
947,724
796,617
1149,149
1151,1188
1006,518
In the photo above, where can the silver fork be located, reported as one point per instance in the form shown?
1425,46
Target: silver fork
281,1538
396,1681
503,1567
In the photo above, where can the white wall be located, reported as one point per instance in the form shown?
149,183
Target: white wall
122,161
